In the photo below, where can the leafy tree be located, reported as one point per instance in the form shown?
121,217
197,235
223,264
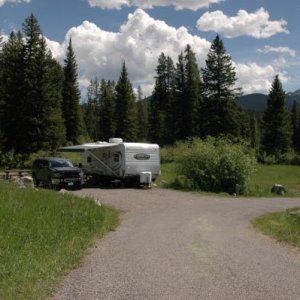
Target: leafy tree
125,113
142,116
277,133
221,115
107,125
72,112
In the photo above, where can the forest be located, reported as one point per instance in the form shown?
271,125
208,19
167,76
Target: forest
41,107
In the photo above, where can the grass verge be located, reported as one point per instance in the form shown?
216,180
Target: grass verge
44,234
284,226
259,185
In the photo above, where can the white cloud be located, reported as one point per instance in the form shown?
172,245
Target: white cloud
255,24
254,78
2,2
109,4
139,42
178,4
282,50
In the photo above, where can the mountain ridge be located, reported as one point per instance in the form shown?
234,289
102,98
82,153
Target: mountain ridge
257,102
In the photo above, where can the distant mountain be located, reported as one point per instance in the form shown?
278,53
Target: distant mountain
258,102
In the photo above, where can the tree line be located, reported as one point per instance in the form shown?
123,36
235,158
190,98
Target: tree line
40,106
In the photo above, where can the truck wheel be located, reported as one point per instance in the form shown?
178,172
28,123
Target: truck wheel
50,184
35,181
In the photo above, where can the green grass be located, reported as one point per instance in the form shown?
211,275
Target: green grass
266,176
284,226
43,235
260,183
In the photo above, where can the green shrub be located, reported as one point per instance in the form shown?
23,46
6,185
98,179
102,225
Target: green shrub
215,165
167,154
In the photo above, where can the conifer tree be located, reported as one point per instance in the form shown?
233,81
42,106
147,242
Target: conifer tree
92,109
277,132
192,95
72,112
254,123
32,94
142,116
180,87
107,124
296,126
221,115
162,117
12,92
125,113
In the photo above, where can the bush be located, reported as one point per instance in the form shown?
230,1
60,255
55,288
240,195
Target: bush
167,154
215,165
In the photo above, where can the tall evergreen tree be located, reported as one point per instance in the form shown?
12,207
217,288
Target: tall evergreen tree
12,93
142,116
296,126
125,113
71,95
180,88
92,109
277,133
162,118
107,124
192,95
254,122
32,100
221,115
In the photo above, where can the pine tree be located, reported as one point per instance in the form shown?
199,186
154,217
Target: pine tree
92,110
254,133
161,107
125,113
192,95
277,132
142,116
296,126
71,95
221,115
12,90
32,95
107,124
180,87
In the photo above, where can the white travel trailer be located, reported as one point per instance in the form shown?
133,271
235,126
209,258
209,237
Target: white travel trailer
128,162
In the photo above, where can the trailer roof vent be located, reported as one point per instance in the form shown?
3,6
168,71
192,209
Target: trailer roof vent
115,140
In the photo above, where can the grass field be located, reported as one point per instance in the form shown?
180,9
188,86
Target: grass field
44,234
284,226
260,183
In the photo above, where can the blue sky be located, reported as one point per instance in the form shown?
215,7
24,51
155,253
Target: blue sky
261,36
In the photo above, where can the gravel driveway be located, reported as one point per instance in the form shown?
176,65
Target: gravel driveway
175,245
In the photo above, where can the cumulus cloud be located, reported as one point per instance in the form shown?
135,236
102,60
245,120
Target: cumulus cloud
281,50
2,2
254,78
178,4
257,24
139,42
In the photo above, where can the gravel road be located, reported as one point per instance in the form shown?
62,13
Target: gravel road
175,245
